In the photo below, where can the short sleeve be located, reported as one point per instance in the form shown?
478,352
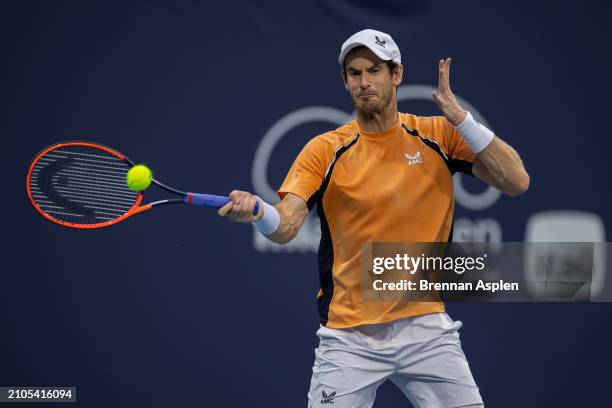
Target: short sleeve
306,175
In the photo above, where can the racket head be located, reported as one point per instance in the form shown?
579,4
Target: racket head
80,184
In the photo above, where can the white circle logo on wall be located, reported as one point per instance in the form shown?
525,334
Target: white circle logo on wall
470,201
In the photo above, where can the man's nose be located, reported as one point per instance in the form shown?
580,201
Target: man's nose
364,81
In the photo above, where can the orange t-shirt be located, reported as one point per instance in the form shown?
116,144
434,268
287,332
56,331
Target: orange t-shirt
394,186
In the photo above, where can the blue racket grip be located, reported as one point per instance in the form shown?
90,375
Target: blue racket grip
213,201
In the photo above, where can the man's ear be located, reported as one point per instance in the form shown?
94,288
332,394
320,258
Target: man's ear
398,74
344,79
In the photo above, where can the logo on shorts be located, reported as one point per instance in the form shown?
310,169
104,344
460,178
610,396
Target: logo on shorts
380,42
413,160
327,398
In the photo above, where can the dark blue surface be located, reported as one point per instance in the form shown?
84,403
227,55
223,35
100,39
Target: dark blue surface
175,307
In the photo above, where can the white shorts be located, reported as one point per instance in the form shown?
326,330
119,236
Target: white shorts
421,355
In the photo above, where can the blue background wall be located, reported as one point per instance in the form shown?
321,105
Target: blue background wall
177,307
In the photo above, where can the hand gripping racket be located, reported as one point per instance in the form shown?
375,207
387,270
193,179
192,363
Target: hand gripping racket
83,185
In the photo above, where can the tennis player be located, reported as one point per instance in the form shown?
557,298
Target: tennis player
383,177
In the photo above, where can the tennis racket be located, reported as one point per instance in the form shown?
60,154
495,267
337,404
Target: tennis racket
83,185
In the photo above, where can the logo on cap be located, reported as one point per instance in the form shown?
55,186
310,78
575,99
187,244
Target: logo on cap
380,42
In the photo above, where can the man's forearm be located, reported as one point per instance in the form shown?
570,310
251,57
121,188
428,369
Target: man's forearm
501,166
290,223
292,211
498,163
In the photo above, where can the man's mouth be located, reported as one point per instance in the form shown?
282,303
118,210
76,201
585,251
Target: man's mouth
366,95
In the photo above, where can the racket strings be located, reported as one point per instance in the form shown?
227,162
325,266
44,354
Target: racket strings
81,184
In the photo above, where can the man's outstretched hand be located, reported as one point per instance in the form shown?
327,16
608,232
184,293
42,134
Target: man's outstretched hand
444,98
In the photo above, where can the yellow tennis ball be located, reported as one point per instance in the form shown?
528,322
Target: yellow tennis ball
139,177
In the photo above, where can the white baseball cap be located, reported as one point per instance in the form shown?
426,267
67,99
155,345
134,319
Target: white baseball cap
378,42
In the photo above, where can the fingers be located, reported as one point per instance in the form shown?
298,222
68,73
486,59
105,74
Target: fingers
223,211
240,207
440,76
448,64
444,76
436,98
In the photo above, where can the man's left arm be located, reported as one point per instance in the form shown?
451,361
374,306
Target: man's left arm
500,166
497,163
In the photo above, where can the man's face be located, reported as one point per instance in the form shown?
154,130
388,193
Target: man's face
370,82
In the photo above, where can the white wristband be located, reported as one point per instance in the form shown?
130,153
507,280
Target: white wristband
270,221
476,135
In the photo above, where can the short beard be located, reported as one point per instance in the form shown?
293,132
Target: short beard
367,116
376,110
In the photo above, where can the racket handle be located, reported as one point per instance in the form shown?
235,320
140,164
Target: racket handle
213,201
